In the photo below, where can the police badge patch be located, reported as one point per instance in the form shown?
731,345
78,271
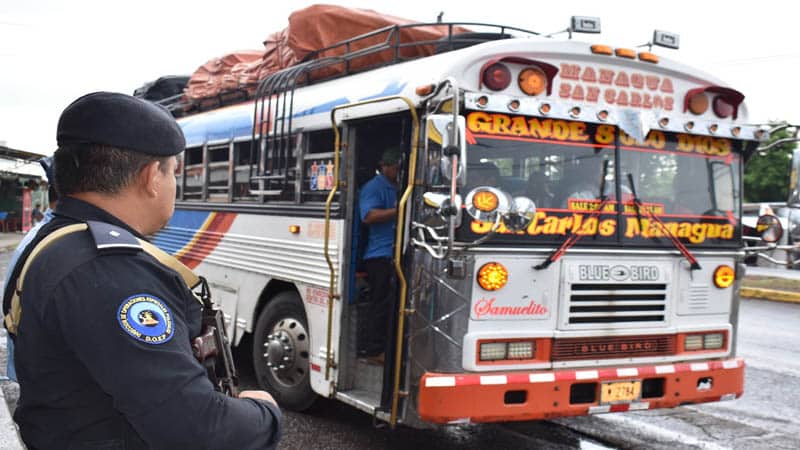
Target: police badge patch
146,318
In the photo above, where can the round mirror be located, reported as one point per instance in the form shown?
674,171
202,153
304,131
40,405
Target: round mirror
521,214
770,228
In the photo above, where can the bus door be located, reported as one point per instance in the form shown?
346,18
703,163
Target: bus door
368,379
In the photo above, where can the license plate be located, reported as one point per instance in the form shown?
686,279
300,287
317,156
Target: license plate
621,391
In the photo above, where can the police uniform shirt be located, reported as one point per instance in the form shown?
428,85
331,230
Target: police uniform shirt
104,356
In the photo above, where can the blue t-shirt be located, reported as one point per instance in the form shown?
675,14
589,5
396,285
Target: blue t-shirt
379,193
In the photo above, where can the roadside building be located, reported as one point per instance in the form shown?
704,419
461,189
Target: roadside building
22,185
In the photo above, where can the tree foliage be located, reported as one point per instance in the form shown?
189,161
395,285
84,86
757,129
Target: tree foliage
766,176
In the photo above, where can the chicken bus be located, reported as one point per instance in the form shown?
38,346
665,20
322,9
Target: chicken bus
568,239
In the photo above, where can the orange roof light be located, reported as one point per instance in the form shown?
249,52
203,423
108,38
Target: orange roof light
424,90
532,81
602,50
492,276
625,53
294,229
648,57
698,103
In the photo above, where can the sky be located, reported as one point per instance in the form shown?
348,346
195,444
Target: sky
52,52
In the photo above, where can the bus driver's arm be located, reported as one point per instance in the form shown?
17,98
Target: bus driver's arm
379,215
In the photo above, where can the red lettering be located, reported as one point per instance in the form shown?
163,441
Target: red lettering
648,102
658,102
669,103
636,99
570,71
577,93
486,307
652,82
666,86
622,80
622,99
592,94
564,90
637,80
606,76
610,96
589,75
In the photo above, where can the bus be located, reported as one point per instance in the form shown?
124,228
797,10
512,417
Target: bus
568,239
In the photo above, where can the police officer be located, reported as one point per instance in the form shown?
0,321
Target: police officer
103,348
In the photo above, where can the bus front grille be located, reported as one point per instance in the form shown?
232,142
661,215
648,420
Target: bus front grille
604,303
570,349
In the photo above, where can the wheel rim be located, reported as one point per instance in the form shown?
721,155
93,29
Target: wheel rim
286,352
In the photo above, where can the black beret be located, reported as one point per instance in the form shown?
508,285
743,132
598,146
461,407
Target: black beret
121,121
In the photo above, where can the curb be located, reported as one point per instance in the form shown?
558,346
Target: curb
770,294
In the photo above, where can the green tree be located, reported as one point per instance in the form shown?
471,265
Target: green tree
766,176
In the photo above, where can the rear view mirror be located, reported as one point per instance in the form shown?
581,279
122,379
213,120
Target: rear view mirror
770,228
452,139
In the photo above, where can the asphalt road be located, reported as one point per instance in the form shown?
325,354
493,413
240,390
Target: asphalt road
766,417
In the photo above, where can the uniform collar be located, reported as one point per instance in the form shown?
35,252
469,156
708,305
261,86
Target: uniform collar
82,211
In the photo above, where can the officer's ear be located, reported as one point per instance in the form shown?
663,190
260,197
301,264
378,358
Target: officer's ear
149,179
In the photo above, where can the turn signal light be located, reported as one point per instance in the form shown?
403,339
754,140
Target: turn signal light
294,229
492,276
532,81
625,53
722,108
497,77
485,201
724,276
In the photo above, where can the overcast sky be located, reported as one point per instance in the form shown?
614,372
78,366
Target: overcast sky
54,51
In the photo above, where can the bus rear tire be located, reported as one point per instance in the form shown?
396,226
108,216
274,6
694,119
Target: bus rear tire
281,352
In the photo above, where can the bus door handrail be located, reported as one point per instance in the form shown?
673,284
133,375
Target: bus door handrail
401,212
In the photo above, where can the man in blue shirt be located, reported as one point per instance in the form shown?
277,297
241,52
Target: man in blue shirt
378,211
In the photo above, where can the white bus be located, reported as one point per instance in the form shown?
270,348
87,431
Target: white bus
568,243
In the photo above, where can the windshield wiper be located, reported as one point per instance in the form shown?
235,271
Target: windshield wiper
637,202
573,237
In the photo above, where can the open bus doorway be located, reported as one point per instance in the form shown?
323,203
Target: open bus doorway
368,378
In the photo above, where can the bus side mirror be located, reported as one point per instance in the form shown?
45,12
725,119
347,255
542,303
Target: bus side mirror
452,139
444,210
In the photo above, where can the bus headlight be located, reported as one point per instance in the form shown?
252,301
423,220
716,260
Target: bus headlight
493,351
492,276
704,341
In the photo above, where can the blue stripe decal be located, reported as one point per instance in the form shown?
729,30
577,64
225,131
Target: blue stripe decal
236,121
182,228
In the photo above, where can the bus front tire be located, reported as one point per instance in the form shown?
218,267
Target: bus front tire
281,352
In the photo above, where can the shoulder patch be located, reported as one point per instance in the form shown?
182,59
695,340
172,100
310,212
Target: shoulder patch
112,237
146,318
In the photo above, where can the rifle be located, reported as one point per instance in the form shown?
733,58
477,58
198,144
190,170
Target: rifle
213,349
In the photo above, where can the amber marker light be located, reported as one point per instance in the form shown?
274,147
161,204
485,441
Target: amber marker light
602,115
735,131
492,276
664,122
485,201
648,57
513,105
575,112
712,128
689,126
625,53
482,101
544,108
532,81
602,50
724,276
294,229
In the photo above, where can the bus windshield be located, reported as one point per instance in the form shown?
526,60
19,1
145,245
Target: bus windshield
689,183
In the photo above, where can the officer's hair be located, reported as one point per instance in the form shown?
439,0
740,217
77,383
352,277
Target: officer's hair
99,168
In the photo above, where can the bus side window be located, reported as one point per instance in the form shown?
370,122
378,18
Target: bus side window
218,166
241,171
193,173
318,166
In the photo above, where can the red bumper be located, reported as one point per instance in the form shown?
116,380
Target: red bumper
513,396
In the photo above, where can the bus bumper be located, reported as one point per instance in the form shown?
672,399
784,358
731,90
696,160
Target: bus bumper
514,396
